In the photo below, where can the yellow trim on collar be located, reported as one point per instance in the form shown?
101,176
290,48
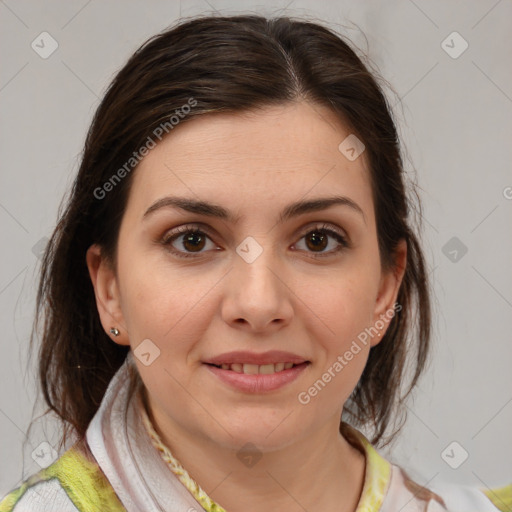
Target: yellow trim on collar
377,474
500,497
85,483
82,480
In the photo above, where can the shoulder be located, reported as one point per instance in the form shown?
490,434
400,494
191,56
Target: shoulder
388,488
74,482
464,497
446,497
501,497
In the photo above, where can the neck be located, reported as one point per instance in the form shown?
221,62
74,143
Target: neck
321,472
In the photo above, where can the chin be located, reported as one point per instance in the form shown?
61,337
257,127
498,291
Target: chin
263,439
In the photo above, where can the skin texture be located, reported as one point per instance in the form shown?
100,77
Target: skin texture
293,297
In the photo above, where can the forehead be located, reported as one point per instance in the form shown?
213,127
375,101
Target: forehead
276,155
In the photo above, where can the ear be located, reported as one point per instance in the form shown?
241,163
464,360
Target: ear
106,290
388,292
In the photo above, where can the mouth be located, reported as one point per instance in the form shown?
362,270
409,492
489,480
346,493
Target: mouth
255,369
253,378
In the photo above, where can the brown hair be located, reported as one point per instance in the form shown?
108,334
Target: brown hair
226,64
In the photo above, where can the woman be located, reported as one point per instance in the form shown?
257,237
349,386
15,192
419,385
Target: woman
236,270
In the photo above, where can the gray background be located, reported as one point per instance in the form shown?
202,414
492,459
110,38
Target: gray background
454,118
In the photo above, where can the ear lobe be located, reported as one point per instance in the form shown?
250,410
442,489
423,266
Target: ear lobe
388,292
106,291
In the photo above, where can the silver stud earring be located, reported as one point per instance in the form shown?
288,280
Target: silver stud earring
114,331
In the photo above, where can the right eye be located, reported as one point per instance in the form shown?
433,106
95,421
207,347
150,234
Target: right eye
190,238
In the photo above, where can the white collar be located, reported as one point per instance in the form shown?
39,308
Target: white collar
118,440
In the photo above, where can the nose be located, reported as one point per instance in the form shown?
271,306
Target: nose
257,297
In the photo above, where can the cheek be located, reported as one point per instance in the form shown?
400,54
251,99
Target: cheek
339,308
164,304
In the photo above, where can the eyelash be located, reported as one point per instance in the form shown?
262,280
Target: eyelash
182,230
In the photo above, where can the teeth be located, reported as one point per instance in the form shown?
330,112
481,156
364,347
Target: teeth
251,369
254,369
267,369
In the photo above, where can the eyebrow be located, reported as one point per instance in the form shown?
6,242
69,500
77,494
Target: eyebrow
214,210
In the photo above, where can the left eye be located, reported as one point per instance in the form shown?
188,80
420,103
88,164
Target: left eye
194,240
318,238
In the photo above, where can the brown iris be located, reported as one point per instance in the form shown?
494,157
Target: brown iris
192,239
319,240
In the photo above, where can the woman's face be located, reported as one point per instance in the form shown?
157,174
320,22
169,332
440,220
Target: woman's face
260,276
